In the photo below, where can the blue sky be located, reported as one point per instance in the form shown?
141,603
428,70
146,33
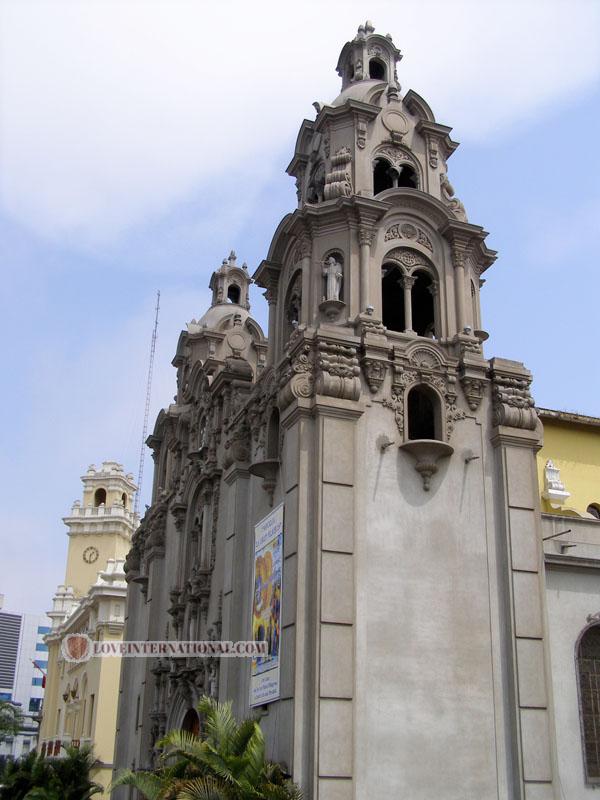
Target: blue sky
141,141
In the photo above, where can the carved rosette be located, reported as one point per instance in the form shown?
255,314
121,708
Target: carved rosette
410,232
512,404
473,389
374,370
338,371
297,380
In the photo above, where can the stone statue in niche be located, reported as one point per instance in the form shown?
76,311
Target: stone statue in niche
448,197
333,274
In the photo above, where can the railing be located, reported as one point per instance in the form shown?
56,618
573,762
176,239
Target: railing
103,511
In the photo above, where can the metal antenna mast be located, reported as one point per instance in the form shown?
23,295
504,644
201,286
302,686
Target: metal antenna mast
147,408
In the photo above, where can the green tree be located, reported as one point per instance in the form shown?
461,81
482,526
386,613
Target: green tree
10,719
226,762
32,777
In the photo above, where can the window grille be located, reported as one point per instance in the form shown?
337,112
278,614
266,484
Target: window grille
588,667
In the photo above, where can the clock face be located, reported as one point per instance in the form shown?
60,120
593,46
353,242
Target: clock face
90,554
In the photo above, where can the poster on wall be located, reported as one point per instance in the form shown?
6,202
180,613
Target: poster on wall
266,607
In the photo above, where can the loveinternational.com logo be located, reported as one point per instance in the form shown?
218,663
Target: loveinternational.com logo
79,647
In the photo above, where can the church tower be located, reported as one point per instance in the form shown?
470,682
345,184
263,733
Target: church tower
417,625
412,640
99,527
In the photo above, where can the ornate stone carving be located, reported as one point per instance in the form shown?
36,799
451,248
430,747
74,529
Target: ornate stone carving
237,447
473,390
406,230
338,371
397,155
513,405
432,146
361,133
448,197
297,380
426,368
408,258
338,182
365,235
374,369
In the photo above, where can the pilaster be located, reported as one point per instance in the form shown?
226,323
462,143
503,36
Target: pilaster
530,728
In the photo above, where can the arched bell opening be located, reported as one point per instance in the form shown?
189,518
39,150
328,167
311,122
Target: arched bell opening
422,304
191,722
233,294
100,497
292,306
424,413
387,176
392,298
376,69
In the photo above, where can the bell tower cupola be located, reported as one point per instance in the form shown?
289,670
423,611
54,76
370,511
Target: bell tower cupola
369,56
230,283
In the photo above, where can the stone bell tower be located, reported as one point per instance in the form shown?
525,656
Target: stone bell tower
406,618
413,645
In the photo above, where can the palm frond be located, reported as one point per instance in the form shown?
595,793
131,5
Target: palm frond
206,788
219,722
151,785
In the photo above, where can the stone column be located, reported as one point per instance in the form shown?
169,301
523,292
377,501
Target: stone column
307,297
365,237
407,282
271,297
528,705
459,287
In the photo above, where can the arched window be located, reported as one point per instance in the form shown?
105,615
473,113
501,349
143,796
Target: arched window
594,510
386,176
100,497
293,303
273,435
423,321
588,669
124,500
376,70
233,294
423,413
392,297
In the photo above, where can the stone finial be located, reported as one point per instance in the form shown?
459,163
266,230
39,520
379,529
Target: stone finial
554,489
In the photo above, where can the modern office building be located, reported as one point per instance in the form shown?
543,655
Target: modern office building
23,664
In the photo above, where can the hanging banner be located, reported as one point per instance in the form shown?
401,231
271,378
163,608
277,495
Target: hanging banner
266,607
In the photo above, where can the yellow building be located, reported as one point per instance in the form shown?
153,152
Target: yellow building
80,704
570,458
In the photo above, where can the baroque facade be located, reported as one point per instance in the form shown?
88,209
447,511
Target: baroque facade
413,643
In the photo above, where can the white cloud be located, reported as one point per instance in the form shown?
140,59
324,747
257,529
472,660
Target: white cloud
115,111
85,407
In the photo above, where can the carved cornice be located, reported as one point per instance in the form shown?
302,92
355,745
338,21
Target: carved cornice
512,404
